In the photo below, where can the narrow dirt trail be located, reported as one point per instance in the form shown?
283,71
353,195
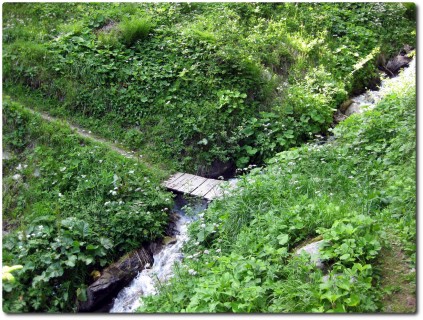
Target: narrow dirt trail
86,134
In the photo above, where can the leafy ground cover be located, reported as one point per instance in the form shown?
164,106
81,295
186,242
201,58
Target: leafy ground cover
68,202
189,84
197,83
357,193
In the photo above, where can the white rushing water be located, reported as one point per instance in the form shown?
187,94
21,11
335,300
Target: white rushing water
128,299
369,99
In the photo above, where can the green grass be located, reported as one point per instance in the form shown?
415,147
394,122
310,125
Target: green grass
135,29
67,201
357,193
200,90
186,85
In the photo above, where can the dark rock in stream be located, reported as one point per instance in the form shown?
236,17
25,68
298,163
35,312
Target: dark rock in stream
218,169
114,278
400,61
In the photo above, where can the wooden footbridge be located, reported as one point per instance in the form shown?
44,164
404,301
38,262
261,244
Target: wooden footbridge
195,185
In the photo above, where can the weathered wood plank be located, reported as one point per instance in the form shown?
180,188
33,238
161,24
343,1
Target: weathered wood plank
192,184
203,189
215,192
173,178
179,183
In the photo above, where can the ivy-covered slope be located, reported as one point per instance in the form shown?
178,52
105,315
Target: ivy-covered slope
200,82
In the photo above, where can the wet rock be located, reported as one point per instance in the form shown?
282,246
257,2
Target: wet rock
400,61
169,240
344,106
155,247
171,228
313,250
114,278
353,108
394,65
338,116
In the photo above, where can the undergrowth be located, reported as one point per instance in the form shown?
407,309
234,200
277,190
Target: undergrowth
357,194
66,204
233,83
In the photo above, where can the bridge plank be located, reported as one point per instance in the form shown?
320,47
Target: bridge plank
194,185
205,188
180,182
173,178
215,192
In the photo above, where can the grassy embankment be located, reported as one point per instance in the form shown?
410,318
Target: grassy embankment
72,206
193,84
185,85
357,193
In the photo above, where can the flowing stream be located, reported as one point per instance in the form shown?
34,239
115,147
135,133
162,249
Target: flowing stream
128,299
369,99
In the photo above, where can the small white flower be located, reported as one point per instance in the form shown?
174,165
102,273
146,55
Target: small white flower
203,225
350,177
137,189
131,172
60,195
62,169
107,203
83,176
113,192
218,250
206,251
100,161
192,272
197,243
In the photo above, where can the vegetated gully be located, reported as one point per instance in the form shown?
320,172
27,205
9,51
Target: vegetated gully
129,298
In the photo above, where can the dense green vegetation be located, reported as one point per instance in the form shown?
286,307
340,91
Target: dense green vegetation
69,202
357,193
201,82
192,84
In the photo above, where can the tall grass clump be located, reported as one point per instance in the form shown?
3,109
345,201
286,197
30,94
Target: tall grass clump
132,30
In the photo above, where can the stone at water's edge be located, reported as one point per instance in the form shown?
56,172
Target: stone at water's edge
114,278
344,106
313,250
169,240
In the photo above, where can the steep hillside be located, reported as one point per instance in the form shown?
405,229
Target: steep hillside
200,84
